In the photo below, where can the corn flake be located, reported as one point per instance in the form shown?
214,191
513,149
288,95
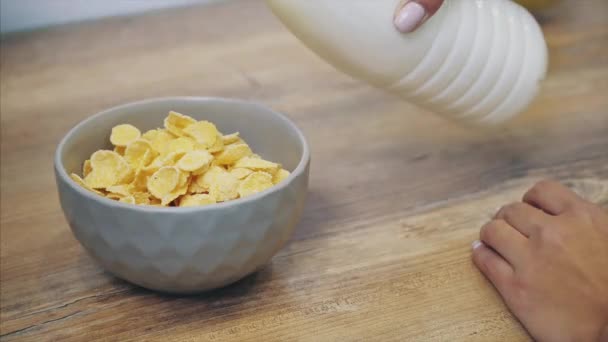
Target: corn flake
180,145
173,195
107,168
163,181
76,178
127,199
139,154
86,168
140,181
156,164
203,132
141,198
114,196
224,188
254,183
159,140
218,146
187,163
181,189
155,202
280,176
123,135
172,158
194,188
120,150
209,177
150,135
176,123
233,153
241,172
100,179
231,138
121,190
105,159
128,176
184,179
195,160
196,200
257,164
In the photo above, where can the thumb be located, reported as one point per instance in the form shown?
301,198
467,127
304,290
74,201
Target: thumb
412,13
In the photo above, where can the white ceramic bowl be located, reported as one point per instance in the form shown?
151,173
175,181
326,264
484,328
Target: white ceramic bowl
186,250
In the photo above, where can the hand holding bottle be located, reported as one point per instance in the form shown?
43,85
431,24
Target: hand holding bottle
413,13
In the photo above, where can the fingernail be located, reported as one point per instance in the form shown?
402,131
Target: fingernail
410,16
476,244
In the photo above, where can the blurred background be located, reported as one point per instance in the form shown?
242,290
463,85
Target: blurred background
17,15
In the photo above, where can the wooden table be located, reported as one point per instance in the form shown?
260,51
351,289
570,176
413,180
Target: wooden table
396,195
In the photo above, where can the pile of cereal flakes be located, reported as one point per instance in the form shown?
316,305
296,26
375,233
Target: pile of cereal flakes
188,163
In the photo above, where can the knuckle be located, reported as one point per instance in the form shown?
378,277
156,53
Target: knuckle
599,215
540,229
582,212
540,187
502,211
594,209
545,184
585,208
488,231
552,237
510,210
580,209
531,194
536,227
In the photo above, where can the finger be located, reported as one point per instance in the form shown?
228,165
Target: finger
505,240
493,266
551,197
412,13
523,217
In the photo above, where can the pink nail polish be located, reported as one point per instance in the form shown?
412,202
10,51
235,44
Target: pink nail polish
410,16
476,244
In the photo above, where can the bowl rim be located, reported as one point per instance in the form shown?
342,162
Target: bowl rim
65,177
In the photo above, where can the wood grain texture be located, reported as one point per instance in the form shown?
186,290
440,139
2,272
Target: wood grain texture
396,194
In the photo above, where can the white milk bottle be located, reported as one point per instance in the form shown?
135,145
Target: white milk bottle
475,61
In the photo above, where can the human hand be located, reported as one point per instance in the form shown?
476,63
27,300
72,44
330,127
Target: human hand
412,13
548,258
